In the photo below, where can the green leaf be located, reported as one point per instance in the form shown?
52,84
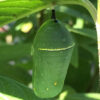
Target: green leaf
75,57
68,11
80,96
85,3
15,73
92,49
14,52
79,78
83,40
12,90
11,10
90,33
70,94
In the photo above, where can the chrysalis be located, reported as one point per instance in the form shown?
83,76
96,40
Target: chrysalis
52,50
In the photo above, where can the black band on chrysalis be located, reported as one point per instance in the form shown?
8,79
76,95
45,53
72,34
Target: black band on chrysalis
53,15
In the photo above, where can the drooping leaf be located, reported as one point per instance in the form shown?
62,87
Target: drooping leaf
12,90
80,78
84,3
68,11
75,57
90,33
11,10
14,52
92,49
70,94
15,60
15,73
80,96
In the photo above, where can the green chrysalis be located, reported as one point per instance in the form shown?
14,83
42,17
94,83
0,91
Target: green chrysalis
52,50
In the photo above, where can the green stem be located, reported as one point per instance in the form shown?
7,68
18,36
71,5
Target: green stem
98,38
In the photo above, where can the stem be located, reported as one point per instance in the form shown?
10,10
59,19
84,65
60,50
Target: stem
53,15
41,18
98,12
98,38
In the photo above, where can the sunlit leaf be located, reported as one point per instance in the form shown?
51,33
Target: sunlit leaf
11,10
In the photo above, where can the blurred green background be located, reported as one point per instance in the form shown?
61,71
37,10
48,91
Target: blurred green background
17,37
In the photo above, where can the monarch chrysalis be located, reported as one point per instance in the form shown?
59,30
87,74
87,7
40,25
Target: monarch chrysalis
52,50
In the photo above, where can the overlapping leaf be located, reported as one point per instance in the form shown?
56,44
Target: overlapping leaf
10,61
12,90
11,10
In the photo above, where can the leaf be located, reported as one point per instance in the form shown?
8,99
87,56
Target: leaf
79,78
12,90
90,33
14,52
15,73
73,12
84,96
85,3
70,94
75,57
92,49
11,57
11,10
83,40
